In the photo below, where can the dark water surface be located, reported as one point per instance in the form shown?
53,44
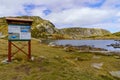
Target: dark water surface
95,43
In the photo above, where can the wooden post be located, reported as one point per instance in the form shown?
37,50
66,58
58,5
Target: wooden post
29,49
9,51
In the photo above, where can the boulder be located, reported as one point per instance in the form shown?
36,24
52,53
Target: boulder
5,61
97,65
115,74
52,44
117,57
96,57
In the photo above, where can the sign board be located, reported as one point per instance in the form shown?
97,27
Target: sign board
19,32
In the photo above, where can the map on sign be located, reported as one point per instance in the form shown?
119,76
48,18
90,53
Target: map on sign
19,32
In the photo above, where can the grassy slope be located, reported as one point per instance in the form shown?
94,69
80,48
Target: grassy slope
55,64
117,34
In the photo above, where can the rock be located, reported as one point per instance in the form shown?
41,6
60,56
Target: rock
80,59
32,58
0,33
117,57
97,65
96,57
43,57
115,73
2,36
5,61
79,33
40,41
69,49
52,44
56,57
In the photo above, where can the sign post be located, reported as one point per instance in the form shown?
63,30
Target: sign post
18,30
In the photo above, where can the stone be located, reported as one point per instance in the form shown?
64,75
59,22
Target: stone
0,33
52,44
117,57
3,36
43,57
32,58
115,73
56,56
97,65
96,57
5,61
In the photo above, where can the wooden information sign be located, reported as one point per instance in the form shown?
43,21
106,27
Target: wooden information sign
18,30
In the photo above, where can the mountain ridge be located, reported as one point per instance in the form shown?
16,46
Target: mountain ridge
42,28
78,32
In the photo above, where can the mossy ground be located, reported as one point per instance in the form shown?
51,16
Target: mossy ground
55,64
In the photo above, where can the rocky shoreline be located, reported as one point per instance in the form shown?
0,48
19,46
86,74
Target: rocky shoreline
84,48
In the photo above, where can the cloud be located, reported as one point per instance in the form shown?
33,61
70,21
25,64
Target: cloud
80,16
47,12
111,4
29,7
67,13
94,3
11,7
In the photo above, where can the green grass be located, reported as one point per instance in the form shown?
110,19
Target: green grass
55,64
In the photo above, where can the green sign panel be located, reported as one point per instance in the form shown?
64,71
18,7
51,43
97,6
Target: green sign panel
19,32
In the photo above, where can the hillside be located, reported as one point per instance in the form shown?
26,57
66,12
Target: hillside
45,29
116,34
40,27
3,26
78,33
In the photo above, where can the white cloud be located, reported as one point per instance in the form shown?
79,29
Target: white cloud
83,16
68,12
111,4
11,7
118,14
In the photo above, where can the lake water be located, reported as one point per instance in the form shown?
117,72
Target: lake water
96,43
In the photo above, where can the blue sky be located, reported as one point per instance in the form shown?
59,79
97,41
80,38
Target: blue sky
68,13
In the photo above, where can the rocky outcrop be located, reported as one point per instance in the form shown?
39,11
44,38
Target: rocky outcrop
43,29
78,33
46,26
115,74
97,65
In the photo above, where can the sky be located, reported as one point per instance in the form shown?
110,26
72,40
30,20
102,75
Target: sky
103,14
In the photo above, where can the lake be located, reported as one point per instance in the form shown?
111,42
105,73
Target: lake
95,43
